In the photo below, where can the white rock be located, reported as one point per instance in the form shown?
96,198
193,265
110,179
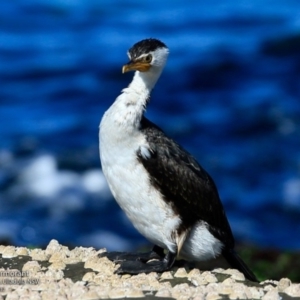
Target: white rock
164,293
31,267
255,293
134,293
283,284
39,254
9,252
89,276
52,247
235,274
271,295
117,293
90,295
22,251
213,296
57,265
181,273
293,290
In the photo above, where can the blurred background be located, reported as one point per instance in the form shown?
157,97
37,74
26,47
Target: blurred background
230,94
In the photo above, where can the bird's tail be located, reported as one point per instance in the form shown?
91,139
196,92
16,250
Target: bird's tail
236,262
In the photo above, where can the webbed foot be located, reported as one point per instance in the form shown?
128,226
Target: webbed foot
156,253
137,266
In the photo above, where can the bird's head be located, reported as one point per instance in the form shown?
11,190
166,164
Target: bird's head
146,55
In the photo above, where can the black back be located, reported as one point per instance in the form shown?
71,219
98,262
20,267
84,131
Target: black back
184,184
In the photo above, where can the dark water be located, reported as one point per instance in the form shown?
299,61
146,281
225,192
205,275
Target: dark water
230,94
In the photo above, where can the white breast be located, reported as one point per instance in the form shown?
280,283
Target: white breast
129,182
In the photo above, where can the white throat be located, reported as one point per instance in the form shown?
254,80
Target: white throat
128,108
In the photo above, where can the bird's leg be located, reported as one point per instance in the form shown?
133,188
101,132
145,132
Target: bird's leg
156,253
137,267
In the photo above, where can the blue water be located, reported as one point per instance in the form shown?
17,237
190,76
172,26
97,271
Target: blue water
230,94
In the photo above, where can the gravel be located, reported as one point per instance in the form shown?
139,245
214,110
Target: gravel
60,273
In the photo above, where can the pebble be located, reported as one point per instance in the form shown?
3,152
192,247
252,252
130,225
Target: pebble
53,246
89,276
57,256
2,247
57,265
235,274
117,293
9,252
22,251
134,293
225,290
166,275
90,295
228,281
181,273
210,278
103,283
38,254
163,293
182,289
213,296
283,284
198,281
255,293
293,290
271,295
32,267
199,297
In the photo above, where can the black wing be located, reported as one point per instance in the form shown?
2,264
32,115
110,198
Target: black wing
184,184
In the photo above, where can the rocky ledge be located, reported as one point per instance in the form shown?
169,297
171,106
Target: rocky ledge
60,273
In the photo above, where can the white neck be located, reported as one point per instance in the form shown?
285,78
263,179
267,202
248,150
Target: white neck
145,80
129,107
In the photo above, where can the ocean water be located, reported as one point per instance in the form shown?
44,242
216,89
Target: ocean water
230,94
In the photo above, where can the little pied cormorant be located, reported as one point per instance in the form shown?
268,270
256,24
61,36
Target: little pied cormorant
169,198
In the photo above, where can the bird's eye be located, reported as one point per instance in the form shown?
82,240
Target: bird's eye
148,58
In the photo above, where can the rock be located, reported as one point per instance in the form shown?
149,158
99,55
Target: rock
31,267
89,276
38,254
293,290
9,252
163,293
283,284
57,256
180,273
90,295
117,293
57,265
235,274
210,278
166,275
22,251
213,296
255,293
50,275
134,293
271,295
194,273
181,291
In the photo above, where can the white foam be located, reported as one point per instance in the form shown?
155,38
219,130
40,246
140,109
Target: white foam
94,182
41,178
291,192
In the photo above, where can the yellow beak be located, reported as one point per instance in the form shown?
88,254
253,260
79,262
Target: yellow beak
136,66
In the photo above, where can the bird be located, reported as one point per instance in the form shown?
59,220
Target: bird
166,194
